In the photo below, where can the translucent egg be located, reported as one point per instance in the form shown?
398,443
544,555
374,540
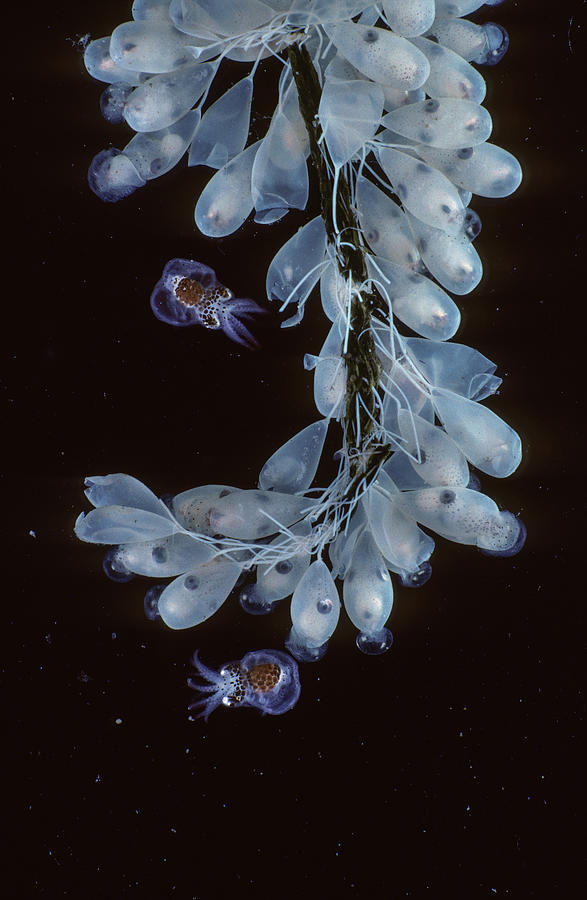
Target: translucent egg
384,57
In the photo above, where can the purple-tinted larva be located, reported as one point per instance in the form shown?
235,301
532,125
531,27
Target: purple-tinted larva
267,680
189,293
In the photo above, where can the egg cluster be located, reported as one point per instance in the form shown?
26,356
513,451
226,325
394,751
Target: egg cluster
384,101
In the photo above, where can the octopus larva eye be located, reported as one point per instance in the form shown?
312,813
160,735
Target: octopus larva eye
447,497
